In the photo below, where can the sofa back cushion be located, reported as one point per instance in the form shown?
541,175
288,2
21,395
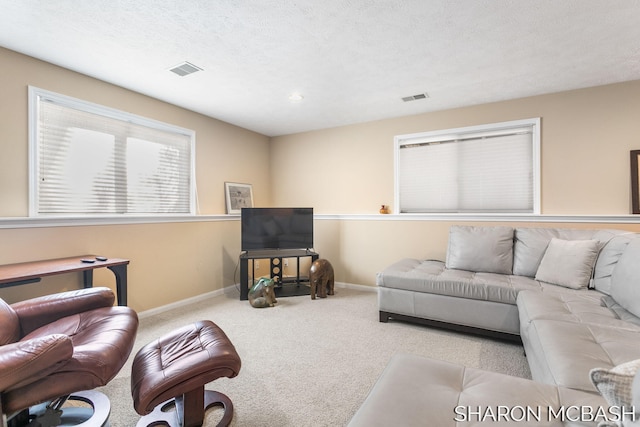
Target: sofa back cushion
625,280
480,249
608,259
531,243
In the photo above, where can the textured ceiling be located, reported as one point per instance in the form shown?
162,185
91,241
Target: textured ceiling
353,60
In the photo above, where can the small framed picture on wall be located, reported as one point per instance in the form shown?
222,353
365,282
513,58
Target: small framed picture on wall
635,182
238,196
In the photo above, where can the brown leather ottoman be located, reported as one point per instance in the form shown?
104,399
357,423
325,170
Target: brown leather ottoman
174,370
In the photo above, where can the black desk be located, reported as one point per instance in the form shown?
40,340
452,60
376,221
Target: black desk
31,272
284,287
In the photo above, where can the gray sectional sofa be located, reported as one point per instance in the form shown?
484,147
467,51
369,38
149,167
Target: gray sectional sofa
571,296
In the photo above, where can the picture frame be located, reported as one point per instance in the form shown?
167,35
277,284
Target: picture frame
635,182
238,196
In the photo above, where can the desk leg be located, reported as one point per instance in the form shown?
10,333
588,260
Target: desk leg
87,278
244,279
120,271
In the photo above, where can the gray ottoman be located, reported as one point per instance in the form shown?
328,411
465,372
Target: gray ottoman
417,391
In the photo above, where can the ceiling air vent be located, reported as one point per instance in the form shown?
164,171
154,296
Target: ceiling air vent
185,69
415,97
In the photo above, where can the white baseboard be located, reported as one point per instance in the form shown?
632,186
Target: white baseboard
233,289
183,302
364,288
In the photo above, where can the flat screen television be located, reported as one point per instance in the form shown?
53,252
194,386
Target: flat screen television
276,228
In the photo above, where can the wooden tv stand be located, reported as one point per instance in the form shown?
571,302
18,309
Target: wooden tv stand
285,287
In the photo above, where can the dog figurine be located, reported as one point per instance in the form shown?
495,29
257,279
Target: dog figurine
321,278
262,294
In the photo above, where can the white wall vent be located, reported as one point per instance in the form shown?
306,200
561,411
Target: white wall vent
185,69
415,97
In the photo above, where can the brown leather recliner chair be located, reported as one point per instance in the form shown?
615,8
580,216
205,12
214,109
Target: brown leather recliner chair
56,345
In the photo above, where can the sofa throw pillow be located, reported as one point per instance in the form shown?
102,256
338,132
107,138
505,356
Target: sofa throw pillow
635,397
616,385
568,263
480,249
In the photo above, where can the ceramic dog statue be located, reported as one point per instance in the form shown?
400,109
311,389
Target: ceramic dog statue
262,294
321,278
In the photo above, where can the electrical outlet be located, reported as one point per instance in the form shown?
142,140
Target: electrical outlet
286,262
257,264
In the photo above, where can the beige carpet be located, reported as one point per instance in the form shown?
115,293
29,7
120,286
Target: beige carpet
310,363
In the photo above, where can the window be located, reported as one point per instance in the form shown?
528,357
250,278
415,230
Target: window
479,169
89,159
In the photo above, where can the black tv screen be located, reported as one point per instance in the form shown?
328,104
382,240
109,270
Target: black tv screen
277,228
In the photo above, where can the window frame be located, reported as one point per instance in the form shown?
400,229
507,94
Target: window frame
35,94
457,133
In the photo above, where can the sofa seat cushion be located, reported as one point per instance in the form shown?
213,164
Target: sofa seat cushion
563,352
417,391
433,277
620,311
88,332
583,306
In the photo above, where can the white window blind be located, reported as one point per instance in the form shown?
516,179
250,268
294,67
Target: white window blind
483,169
88,159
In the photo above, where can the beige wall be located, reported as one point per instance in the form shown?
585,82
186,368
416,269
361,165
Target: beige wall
169,261
223,152
586,139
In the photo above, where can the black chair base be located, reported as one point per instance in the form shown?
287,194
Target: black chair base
68,415
188,410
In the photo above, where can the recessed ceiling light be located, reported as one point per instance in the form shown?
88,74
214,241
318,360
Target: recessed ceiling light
296,97
185,69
